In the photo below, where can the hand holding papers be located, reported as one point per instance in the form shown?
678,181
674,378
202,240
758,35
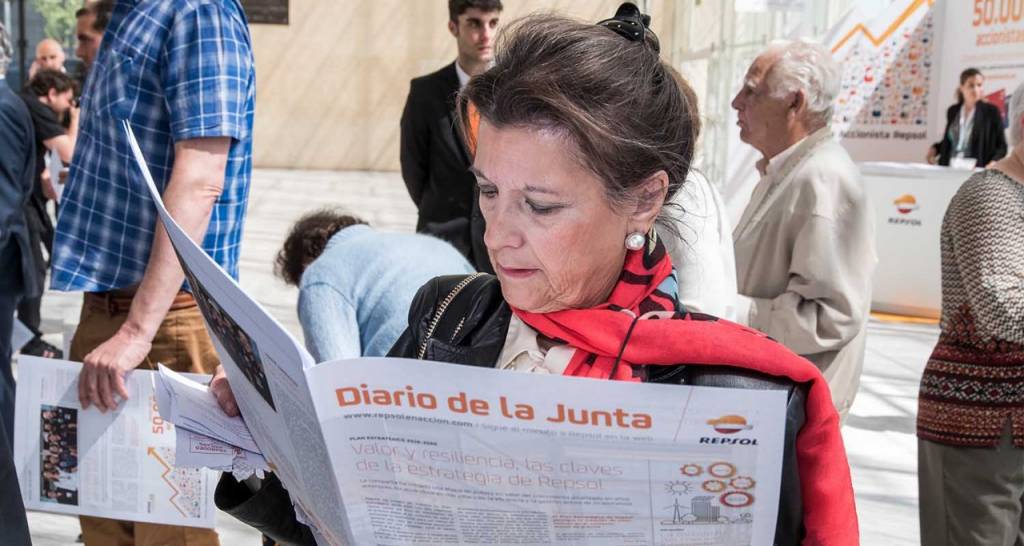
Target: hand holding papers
189,404
207,437
221,390
117,464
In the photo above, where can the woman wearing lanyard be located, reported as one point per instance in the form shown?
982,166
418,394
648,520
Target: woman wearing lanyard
974,128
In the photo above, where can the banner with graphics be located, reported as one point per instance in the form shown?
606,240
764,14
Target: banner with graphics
901,68
987,35
889,63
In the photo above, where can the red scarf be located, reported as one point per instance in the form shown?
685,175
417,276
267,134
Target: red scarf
830,516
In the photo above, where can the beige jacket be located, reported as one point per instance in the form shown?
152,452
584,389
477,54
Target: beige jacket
805,253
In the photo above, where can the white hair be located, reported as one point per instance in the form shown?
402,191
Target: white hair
5,49
1017,115
805,66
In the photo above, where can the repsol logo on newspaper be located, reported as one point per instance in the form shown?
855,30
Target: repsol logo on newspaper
461,403
727,425
728,441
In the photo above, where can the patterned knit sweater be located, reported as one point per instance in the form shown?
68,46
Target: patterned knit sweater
974,380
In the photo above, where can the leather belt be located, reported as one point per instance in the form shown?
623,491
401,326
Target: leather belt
117,302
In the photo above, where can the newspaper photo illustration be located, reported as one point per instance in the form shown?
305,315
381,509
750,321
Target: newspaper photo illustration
58,455
395,451
119,464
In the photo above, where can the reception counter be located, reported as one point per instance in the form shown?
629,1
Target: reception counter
909,201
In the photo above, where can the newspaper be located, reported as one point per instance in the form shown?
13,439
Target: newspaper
195,450
267,376
58,173
118,464
206,436
446,454
394,451
190,404
20,335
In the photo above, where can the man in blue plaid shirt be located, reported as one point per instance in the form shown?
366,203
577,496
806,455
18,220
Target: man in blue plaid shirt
181,72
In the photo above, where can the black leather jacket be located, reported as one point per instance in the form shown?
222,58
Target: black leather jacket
484,317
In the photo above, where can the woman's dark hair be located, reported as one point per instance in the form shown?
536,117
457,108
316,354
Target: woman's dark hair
307,240
964,76
629,113
47,79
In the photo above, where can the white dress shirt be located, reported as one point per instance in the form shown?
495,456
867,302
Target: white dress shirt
462,74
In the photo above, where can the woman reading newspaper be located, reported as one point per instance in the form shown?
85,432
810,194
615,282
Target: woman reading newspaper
581,135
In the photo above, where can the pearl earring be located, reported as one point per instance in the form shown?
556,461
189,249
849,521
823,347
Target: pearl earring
636,240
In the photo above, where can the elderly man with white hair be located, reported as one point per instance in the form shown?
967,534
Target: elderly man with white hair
805,245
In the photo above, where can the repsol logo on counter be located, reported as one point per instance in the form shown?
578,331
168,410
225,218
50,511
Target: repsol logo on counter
905,222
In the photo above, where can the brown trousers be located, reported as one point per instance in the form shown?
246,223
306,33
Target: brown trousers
182,344
971,496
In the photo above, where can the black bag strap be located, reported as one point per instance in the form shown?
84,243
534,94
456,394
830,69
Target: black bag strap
449,315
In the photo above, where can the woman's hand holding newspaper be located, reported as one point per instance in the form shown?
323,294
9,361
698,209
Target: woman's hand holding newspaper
222,392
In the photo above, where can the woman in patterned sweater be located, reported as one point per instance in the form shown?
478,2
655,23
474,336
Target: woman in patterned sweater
970,422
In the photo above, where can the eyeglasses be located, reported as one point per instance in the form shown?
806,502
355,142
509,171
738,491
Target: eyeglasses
632,25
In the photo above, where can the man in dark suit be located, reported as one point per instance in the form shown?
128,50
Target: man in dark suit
434,156
17,169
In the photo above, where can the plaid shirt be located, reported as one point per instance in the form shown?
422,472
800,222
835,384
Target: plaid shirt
177,70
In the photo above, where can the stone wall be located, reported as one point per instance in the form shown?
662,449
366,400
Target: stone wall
331,85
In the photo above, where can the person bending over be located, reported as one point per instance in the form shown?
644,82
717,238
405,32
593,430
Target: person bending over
356,283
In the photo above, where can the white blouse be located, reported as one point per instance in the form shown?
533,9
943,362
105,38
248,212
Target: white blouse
525,350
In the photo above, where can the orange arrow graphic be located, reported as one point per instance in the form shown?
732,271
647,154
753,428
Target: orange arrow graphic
877,41
167,470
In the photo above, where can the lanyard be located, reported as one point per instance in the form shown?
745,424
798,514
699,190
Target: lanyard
966,127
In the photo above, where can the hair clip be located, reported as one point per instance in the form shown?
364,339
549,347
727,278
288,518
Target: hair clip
632,25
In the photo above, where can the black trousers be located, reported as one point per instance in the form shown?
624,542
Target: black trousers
11,288
40,233
13,525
